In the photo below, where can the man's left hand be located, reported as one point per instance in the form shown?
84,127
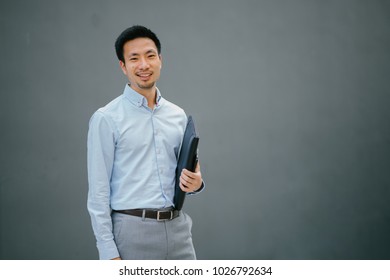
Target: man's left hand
191,181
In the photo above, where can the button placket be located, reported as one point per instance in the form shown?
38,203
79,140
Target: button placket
158,149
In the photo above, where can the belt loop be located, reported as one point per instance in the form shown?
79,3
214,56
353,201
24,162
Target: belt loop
143,214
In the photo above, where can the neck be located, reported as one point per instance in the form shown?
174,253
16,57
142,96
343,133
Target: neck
149,94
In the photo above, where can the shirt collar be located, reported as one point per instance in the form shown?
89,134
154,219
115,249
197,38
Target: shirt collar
138,99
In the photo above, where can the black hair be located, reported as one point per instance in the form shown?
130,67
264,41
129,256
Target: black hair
131,33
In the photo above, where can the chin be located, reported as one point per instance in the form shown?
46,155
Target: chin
147,86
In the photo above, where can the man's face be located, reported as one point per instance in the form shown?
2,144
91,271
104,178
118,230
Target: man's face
142,64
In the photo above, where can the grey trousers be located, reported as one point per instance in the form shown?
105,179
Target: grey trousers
148,239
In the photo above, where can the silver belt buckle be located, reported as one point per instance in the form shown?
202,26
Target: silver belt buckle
158,215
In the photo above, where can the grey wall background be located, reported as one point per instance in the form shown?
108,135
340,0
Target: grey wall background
291,100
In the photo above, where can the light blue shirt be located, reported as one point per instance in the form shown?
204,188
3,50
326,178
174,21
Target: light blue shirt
132,158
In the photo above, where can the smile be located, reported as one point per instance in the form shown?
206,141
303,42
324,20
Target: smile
144,75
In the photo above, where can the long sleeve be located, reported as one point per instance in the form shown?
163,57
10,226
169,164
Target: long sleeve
101,149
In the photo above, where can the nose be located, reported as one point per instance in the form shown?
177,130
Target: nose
144,64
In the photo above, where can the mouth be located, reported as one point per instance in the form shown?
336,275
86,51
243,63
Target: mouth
144,76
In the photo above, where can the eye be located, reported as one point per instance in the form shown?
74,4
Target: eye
133,59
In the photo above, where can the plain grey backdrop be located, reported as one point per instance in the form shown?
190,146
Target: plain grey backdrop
291,101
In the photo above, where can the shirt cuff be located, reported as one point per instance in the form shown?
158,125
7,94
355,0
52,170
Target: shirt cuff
198,190
107,250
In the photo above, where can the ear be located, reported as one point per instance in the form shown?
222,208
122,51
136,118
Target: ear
123,67
160,60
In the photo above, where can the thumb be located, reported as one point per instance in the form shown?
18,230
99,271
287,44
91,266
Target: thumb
197,168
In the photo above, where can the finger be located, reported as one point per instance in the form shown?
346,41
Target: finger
186,182
187,172
188,175
184,188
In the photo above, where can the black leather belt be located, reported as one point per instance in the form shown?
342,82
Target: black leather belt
159,215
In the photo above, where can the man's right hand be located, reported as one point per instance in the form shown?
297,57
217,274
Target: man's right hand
116,259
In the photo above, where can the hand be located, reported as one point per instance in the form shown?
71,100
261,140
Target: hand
191,181
116,259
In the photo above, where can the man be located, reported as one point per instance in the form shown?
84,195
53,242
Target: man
133,145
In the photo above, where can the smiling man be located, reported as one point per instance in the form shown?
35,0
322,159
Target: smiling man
133,145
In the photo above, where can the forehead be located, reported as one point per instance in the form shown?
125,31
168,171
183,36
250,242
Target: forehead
139,46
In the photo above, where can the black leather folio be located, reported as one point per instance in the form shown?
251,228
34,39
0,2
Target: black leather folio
188,158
